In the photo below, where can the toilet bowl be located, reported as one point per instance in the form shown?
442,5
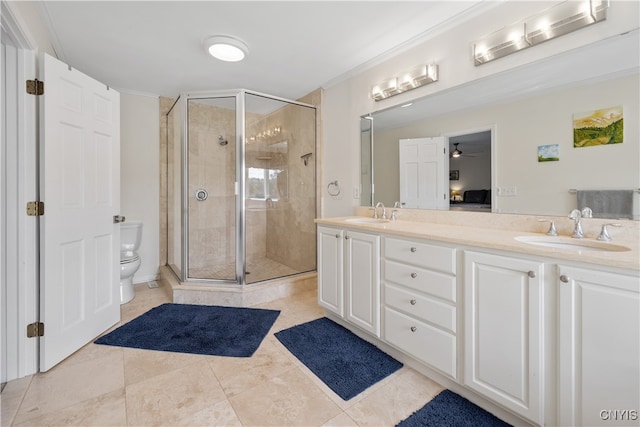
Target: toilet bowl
130,237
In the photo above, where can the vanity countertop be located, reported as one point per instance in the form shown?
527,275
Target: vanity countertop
492,238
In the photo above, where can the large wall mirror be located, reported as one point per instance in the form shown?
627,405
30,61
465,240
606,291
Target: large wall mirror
515,135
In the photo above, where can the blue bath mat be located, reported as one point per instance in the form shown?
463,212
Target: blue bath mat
346,363
450,409
197,329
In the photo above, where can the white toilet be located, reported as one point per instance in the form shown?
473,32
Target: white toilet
130,236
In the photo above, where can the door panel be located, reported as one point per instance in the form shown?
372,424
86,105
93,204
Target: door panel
80,186
422,173
362,273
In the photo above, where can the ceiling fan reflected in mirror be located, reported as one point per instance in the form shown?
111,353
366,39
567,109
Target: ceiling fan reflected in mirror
458,153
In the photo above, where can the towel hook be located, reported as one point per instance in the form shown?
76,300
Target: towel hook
333,188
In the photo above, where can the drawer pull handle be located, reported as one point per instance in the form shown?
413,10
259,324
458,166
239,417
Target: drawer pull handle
414,275
531,274
413,249
413,302
413,329
564,278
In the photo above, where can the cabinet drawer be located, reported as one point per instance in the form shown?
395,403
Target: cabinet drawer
424,342
421,254
430,282
421,307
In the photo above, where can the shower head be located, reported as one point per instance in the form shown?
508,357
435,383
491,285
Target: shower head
222,141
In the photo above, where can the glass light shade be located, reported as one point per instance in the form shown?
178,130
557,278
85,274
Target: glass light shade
556,21
385,89
501,43
564,18
226,48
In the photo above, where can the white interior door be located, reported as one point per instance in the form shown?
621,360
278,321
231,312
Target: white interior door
80,186
423,168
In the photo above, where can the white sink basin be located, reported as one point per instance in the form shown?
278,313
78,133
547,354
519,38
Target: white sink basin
364,220
571,243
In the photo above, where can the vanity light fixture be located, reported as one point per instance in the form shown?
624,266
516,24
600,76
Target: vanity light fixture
556,21
411,79
226,48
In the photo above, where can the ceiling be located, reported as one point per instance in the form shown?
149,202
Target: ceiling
295,47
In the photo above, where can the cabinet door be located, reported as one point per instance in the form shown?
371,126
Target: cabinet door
362,280
599,335
503,331
330,269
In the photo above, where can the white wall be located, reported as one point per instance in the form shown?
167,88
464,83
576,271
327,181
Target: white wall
347,100
140,175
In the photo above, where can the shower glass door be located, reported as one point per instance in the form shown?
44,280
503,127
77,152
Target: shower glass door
211,177
280,202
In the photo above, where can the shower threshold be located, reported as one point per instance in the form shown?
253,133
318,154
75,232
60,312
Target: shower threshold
232,295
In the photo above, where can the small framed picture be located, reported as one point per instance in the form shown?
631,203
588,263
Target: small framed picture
454,175
549,153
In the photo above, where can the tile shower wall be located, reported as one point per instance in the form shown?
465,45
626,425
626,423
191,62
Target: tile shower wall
165,106
289,234
212,167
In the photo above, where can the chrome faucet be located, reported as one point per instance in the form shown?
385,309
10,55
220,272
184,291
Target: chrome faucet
384,211
576,215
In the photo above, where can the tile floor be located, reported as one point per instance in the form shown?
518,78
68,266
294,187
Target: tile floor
115,386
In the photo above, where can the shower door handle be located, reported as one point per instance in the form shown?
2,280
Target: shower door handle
118,219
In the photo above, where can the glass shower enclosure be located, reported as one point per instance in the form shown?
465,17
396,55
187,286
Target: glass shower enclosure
241,187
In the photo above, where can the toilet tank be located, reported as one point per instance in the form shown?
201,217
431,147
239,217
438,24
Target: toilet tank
130,236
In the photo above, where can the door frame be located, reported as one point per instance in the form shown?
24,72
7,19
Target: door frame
22,290
494,154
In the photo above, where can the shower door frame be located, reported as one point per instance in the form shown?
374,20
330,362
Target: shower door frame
240,190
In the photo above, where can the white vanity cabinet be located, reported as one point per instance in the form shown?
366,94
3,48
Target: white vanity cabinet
349,276
598,343
419,288
504,326
331,269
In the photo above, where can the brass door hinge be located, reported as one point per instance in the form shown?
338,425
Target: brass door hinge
35,208
35,87
35,329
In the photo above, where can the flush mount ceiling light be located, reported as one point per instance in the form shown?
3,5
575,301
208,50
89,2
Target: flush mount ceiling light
556,21
226,48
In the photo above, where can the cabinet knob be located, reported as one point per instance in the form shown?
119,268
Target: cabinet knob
346,237
564,278
531,274
337,236
413,302
413,329
414,275
413,249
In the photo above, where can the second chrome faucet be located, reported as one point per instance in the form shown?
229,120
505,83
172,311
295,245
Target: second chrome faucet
384,211
577,215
